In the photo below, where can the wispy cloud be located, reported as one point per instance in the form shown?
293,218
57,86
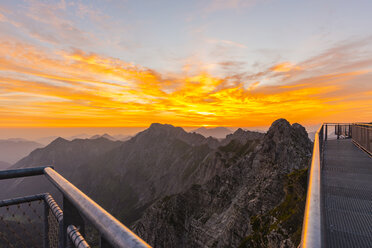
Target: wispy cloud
226,42
285,67
70,87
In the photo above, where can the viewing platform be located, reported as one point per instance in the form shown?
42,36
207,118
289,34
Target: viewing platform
339,199
347,192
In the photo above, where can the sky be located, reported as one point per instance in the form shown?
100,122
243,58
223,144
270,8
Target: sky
233,63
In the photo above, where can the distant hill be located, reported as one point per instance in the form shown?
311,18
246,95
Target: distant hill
46,140
216,132
79,136
106,136
12,150
66,156
119,137
122,137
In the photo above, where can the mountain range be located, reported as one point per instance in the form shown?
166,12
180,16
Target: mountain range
216,132
257,201
180,189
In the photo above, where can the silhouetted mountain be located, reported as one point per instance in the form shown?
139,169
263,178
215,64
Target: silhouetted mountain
257,201
242,136
122,137
12,150
216,132
106,136
46,140
118,137
214,189
66,157
159,161
79,136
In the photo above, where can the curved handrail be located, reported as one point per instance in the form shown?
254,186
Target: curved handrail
76,238
110,228
24,172
312,227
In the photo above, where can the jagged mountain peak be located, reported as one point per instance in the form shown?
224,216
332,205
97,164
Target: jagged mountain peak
238,131
242,136
158,127
252,186
163,131
216,132
157,133
286,145
281,130
105,135
58,141
279,124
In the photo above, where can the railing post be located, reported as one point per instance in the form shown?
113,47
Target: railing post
61,236
46,225
369,140
349,131
326,132
71,216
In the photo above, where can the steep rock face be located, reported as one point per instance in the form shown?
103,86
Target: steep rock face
224,211
242,136
157,162
126,177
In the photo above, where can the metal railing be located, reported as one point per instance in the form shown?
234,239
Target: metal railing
312,224
67,228
18,235
312,229
362,136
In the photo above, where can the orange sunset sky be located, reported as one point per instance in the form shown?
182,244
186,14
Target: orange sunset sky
79,64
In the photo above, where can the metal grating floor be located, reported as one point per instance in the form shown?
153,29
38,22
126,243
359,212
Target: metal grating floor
347,192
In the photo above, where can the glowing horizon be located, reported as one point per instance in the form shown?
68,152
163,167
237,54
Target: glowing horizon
55,77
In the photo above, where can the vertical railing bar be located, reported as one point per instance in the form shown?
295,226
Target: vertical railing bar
71,216
46,225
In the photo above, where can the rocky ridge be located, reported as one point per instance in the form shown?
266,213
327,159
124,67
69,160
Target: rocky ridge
247,205
126,177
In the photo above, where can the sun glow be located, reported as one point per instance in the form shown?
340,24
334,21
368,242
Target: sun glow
85,89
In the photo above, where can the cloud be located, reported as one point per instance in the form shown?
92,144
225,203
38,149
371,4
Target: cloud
2,18
285,67
226,42
71,87
51,22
